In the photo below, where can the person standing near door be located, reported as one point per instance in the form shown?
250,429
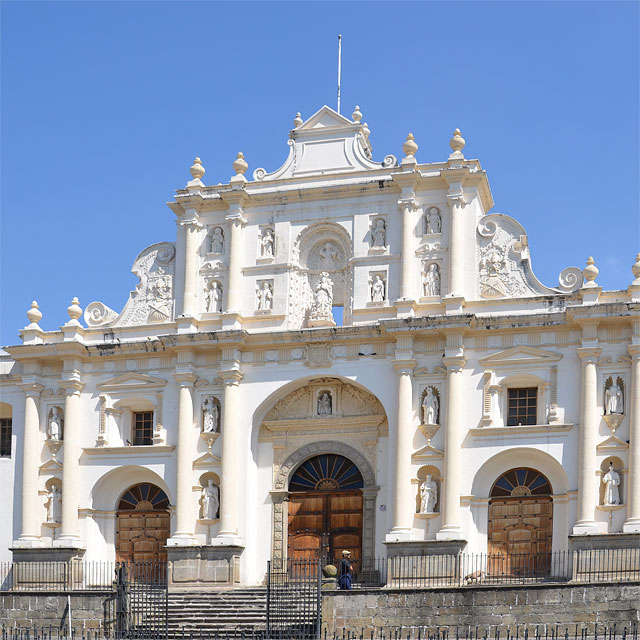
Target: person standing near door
345,574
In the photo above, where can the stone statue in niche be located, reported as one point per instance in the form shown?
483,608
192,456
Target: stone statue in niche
324,404
323,298
210,501
54,429
54,505
434,223
329,254
431,281
267,244
214,298
377,289
611,481
430,407
210,416
159,296
428,495
613,399
217,241
265,297
379,234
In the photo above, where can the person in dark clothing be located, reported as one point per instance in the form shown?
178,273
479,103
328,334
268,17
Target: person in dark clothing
345,573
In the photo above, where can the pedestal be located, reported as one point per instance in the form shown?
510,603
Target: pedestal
204,566
601,558
47,568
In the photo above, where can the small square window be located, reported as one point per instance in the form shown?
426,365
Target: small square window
522,406
143,427
5,437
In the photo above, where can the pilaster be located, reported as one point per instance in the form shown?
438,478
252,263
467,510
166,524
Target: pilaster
632,523
190,223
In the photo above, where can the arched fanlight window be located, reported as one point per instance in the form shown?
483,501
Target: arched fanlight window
521,482
326,472
144,497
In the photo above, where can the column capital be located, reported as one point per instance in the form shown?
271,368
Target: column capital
31,387
73,385
457,199
185,378
454,363
408,203
404,367
634,350
589,354
236,218
191,223
231,377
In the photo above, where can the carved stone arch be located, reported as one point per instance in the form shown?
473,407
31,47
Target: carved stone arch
321,247
280,493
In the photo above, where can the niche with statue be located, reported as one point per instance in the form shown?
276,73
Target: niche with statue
209,498
428,494
613,401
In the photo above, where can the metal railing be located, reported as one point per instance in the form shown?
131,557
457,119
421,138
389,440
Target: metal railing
74,575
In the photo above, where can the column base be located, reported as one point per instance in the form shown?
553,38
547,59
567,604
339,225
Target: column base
589,528
47,554
406,307
450,533
231,320
28,542
453,303
181,540
68,542
227,540
187,324
400,535
631,526
204,566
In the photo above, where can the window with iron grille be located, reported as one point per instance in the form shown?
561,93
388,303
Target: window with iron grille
143,427
522,406
5,437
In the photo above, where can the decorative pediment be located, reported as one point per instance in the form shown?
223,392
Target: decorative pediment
325,118
206,461
427,453
520,355
131,381
612,444
51,467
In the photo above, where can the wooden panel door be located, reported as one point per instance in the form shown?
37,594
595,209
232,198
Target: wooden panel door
345,524
306,526
520,535
141,536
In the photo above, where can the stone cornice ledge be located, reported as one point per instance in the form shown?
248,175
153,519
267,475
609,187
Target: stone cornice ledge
543,429
146,450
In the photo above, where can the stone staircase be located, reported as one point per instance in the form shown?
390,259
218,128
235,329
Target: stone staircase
226,611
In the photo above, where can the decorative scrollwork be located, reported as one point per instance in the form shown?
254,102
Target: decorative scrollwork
487,229
97,314
166,252
570,279
390,161
259,174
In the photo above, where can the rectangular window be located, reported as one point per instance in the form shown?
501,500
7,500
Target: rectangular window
522,406
143,427
5,437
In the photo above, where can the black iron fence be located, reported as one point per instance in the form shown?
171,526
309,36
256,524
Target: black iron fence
585,631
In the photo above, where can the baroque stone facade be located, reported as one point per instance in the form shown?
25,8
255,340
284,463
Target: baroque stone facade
371,324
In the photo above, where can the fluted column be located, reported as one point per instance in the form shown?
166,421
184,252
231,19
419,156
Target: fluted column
456,243
404,507
234,294
632,523
189,300
31,510
71,482
183,534
232,452
587,454
408,206
451,528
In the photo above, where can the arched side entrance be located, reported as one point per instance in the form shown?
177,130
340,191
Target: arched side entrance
142,524
520,523
325,509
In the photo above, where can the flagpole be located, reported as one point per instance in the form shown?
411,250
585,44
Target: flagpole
339,67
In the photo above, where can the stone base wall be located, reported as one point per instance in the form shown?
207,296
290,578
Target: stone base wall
483,606
91,610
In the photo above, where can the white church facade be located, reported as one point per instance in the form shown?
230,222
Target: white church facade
223,418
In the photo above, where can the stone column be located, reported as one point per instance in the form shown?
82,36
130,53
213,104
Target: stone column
183,534
453,436
456,243
31,508
71,482
587,458
632,523
189,301
232,457
404,504
234,286
408,258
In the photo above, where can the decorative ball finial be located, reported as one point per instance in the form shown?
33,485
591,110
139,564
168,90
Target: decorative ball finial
197,170
366,130
240,164
410,146
635,269
457,142
34,314
356,116
74,309
590,273
297,121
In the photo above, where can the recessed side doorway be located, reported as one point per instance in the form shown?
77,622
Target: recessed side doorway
325,509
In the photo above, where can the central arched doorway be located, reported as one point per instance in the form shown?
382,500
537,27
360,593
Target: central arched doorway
520,523
325,508
142,524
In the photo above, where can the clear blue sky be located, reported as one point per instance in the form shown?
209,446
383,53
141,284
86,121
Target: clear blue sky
105,105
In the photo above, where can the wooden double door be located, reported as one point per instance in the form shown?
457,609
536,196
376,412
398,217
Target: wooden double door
141,536
324,523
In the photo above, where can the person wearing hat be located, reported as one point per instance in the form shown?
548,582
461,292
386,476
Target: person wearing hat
345,573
